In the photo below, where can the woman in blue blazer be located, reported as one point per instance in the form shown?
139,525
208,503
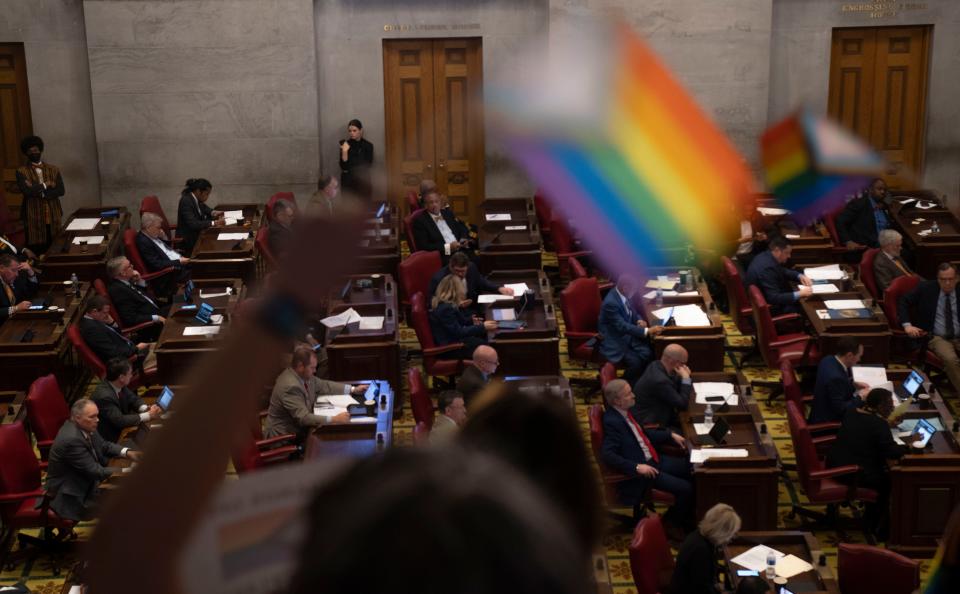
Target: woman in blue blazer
450,323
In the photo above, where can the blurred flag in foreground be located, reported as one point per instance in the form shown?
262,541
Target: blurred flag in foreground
812,164
619,147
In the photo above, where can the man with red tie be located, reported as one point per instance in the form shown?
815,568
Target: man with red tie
632,450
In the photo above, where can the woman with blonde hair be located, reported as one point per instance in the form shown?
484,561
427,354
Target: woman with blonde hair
450,323
696,570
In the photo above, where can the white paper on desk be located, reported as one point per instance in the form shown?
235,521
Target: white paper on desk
231,236
844,303
661,283
343,318
515,228
828,272
772,212
229,221
88,240
869,374
212,295
823,288
690,315
329,410
373,232
233,214
75,589
704,429
713,388
249,538
216,319
82,224
908,201
792,565
925,232
492,297
498,217
518,288
371,323
201,330
702,455
925,205
792,236
823,314
746,229
663,313
653,294
756,558
341,400
362,420
731,399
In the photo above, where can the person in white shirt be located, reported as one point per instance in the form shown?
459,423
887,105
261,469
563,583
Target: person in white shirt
453,414
436,229
157,254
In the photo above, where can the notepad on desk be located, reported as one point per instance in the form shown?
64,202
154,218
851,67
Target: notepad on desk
492,297
231,236
756,557
88,240
371,323
342,400
343,318
702,455
828,272
498,217
823,288
663,284
844,304
201,330
233,214
869,374
791,565
82,224
515,228
518,288
690,315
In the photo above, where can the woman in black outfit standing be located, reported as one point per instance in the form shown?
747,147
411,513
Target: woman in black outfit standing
696,570
356,158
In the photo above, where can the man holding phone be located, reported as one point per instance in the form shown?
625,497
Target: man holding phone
19,284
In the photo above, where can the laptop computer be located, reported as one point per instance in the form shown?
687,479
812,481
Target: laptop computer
925,430
911,387
165,398
717,433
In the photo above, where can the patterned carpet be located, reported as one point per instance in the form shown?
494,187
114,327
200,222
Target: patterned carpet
39,578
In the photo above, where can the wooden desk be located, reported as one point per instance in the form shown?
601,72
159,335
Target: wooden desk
748,484
704,344
810,244
500,248
801,544
12,407
49,351
534,349
223,304
357,353
88,262
176,353
556,386
253,213
873,333
930,250
356,440
213,258
379,253
365,289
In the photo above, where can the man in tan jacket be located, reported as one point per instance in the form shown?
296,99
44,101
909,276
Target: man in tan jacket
295,392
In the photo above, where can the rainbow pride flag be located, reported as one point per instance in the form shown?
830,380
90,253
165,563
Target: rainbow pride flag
812,164
621,149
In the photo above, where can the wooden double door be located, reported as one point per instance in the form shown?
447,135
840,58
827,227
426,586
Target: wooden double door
878,89
434,121
15,120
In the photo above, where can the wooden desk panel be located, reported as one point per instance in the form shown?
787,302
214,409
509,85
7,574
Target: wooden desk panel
555,386
212,258
176,353
801,544
88,262
356,440
930,250
533,350
873,333
222,304
379,253
515,249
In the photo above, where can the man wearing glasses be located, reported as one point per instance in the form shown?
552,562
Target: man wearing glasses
475,378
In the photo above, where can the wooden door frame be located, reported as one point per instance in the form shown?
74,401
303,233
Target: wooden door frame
20,69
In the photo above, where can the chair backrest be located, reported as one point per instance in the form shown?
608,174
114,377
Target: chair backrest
152,204
421,434
20,471
544,212
89,358
608,373
595,421
561,235
47,409
246,457
576,269
763,323
288,196
804,449
420,321
864,569
830,222
740,307
132,252
408,227
420,401
580,304
650,559
413,202
866,272
891,297
263,245
791,387
101,290
415,273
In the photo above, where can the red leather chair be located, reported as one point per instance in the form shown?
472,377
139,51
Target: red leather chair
544,217
420,402
864,569
20,493
565,245
288,196
263,246
415,273
152,204
608,373
650,559
903,346
433,365
421,434
576,269
133,254
10,227
830,222
740,308
96,366
818,481
866,272
101,290
408,227
797,347
255,454
47,411
580,304
791,386
413,201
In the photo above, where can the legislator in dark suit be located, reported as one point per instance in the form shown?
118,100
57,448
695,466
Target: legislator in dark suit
133,306
934,311
834,392
193,217
279,239
623,340
660,395
776,282
118,410
886,268
471,382
78,462
429,238
477,284
291,404
158,255
24,287
861,221
450,324
106,341
696,571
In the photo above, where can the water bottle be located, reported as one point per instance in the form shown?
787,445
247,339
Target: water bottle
935,228
771,565
688,284
708,416
75,284
659,300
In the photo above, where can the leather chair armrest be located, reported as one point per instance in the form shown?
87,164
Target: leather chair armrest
158,273
278,455
789,341
15,497
442,349
269,441
819,475
131,329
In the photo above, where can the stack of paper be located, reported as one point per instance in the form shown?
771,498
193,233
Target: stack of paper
772,212
823,288
791,565
670,293
664,284
701,456
233,214
371,323
343,400
828,272
201,330
518,288
498,217
341,319
492,297
515,228
756,558
844,304
791,236
690,315
871,375
712,389
88,240
231,236
82,224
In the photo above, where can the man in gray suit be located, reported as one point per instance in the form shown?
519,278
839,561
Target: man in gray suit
888,264
78,462
294,394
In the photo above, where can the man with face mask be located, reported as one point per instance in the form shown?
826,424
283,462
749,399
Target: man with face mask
626,337
41,186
